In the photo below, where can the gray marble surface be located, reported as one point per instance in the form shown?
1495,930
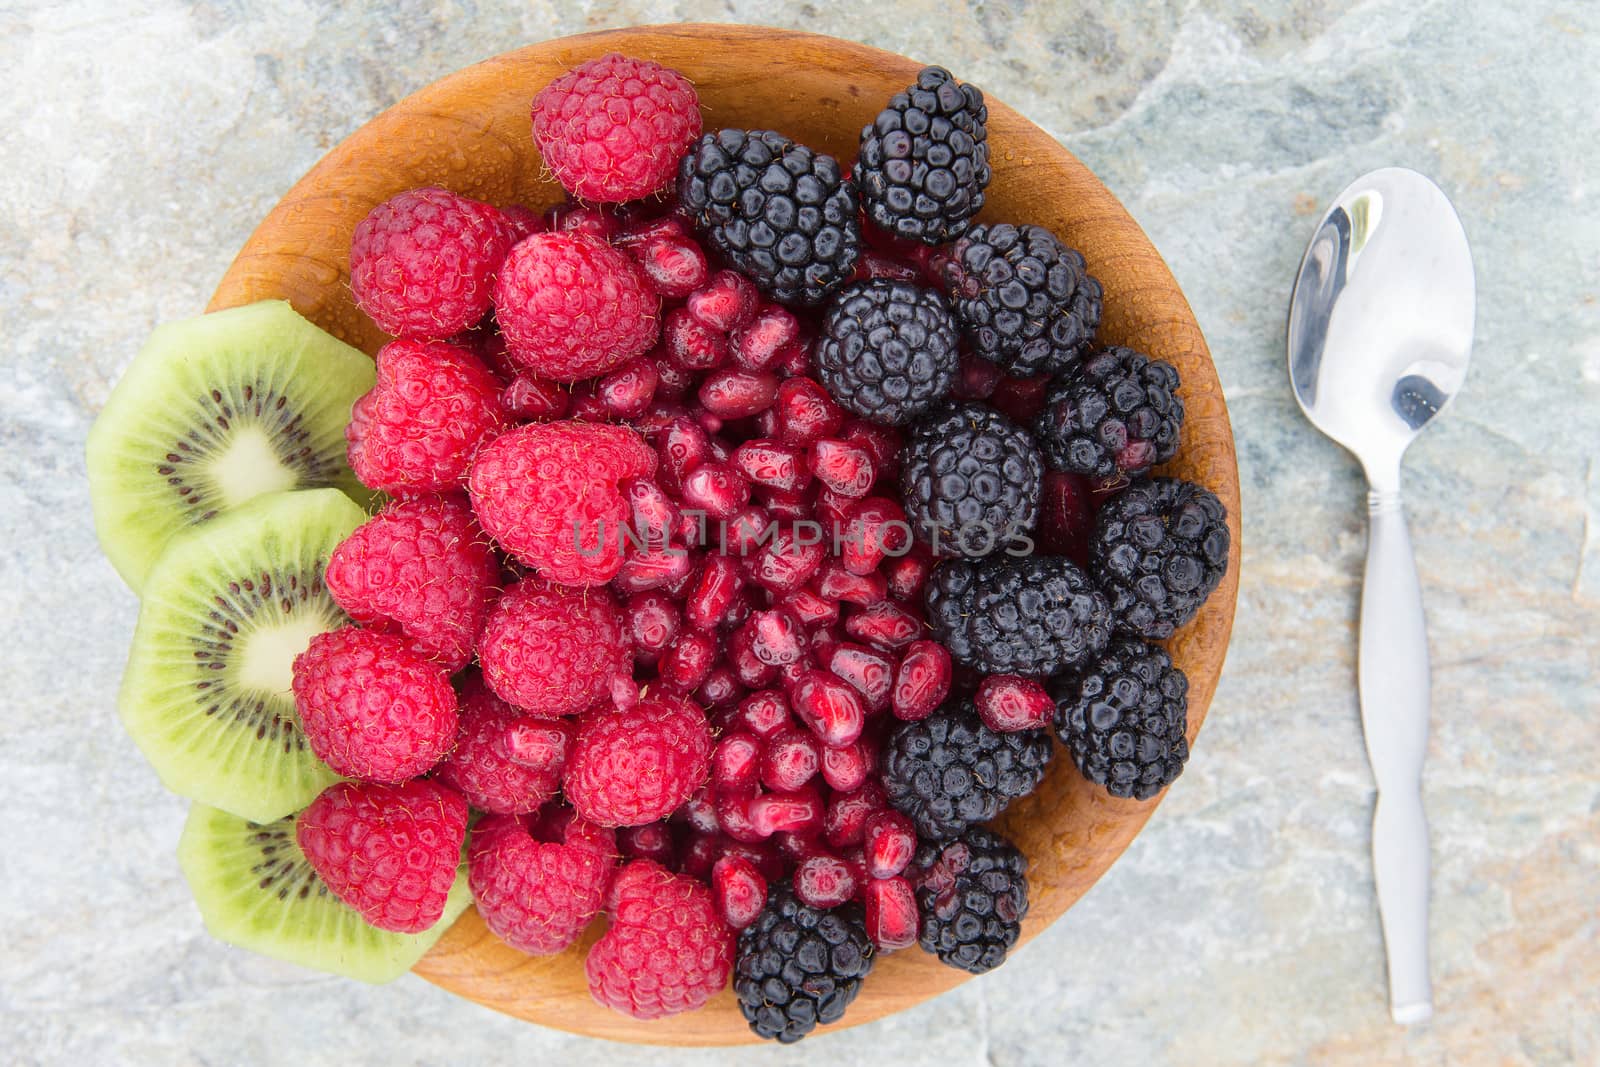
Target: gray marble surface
142,142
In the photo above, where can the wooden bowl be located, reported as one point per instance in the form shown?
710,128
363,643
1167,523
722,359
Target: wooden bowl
470,132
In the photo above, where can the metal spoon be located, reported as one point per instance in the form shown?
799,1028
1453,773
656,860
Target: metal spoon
1380,329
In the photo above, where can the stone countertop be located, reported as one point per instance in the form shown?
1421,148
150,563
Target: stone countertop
144,140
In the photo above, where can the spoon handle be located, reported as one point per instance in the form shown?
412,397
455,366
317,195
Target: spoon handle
1394,682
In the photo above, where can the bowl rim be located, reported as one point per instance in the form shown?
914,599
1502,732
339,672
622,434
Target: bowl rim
289,257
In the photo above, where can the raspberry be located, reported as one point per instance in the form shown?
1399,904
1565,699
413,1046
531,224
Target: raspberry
537,896
417,429
371,707
553,651
633,767
483,767
422,264
389,851
423,566
573,307
612,129
548,492
668,951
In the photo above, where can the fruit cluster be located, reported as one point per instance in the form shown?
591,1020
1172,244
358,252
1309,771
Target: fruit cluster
752,522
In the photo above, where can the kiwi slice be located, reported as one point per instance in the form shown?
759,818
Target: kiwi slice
256,890
207,693
213,412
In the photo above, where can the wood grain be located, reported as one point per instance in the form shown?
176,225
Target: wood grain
470,132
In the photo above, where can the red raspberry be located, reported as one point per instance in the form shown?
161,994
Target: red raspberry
371,707
489,768
573,307
537,896
422,264
612,129
553,651
389,851
423,566
417,429
633,767
548,492
667,950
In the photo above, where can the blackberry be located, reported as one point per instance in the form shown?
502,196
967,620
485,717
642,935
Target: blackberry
887,350
971,895
1118,413
950,771
924,161
1025,300
781,213
1160,547
1124,719
1034,616
799,966
969,479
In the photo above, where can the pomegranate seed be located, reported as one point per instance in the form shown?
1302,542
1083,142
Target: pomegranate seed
738,890
734,816
653,568
687,661
652,841
1007,702
700,854
882,443
1066,516
586,404
874,529
891,911
672,381
824,881
736,763
716,489
884,625
682,446
768,860
627,391
692,344
727,301
653,621
842,467
922,681
834,582
769,463
748,530
777,638
758,343
829,706
742,658
846,768
737,394
907,575
976,380
721,690
877,265
846,820
787,563
806,412
856,861
714,594
540,743
791,758
795,360
531,399
824,640
786,505
797,846
890,840
699,813
591,219
636,235
764,713
655,516
678,588
831,510
1020,399
798,810
810,608
869,672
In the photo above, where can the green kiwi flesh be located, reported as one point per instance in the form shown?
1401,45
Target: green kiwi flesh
207,691
256,890
213,412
